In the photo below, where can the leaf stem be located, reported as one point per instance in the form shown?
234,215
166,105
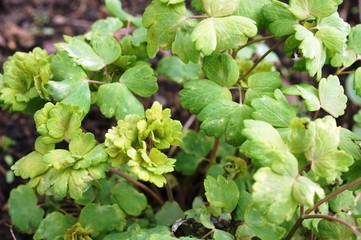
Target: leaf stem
207,234
333,218
96,82
255,41
168,188
317,204
214,151
138,184
197,17
263,57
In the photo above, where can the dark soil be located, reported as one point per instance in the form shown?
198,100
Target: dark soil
25,24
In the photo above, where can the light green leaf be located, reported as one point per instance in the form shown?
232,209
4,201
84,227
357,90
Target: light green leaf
23,209
312,49
267,149
221,193
253,10
169,213
274,193
82,53
301,135
141,80
125,103
220,8
174,69
244,201
308,92
304,191
161,20
262,84
106,47
104,27
199,93
221,69
343,202
333,230
30,165
350,143
276,111
344,59
129,199
222,235
81,144
59,159
354,43
218,34
281,21
54,226
102,219
326,160
317,8
115,8
332,97
183,46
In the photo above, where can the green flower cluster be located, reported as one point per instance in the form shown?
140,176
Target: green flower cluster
24,79
129,141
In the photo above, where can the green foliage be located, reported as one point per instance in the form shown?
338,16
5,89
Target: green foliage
262,157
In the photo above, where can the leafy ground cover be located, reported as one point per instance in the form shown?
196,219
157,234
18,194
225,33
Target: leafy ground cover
218,184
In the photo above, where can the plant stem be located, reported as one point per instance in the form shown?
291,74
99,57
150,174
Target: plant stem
197,17
261,58
214,151
317,204
333,218
255,40
95,81
138,184
168,188
207,234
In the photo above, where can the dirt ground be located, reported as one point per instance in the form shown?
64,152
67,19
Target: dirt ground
25,24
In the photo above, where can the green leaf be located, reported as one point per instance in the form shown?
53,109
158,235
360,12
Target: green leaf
106,47
357,81
333,230
317,8
221,193
74,90
221,69
81,144
124,104
343,202
102,219
262,84
333,31
196,143
276,111
141,80
169,213
23,209
274,192
224,116
129,199
350,143
220,8
186,163
174,69
183,46
104,27
312,49
332,97
161,20
115,8
199,93
353,39
304,191
54,226
222,235
30,166
301,135
253,10
308,92
267,149
82,53
326,160
244,201
219,34
281,21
